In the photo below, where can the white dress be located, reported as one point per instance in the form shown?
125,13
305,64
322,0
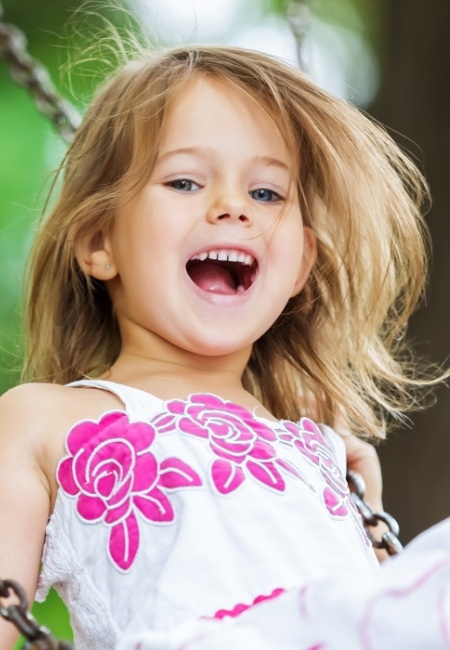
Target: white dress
405,606
173,512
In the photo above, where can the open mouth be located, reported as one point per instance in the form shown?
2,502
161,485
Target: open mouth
223,271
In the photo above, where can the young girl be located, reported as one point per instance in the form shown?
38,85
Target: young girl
233,252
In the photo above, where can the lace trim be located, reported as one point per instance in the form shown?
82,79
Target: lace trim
90,616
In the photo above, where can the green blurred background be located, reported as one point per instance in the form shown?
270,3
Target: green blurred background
391,57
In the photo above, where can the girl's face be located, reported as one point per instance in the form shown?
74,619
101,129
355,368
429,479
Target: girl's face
207,254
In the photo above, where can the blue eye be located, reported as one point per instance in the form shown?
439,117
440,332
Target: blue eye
265,195
183,185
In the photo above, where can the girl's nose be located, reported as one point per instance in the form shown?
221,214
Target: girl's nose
229,207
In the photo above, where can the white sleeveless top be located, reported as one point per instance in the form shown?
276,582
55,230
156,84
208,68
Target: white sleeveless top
182,509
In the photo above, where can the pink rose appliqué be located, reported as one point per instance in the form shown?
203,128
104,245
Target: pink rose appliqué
308,439
111,470
240,441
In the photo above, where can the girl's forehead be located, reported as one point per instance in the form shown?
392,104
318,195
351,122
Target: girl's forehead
203,87
206,106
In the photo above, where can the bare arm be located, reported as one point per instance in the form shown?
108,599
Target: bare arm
24,499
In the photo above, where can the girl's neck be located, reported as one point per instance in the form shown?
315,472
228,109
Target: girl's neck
178,375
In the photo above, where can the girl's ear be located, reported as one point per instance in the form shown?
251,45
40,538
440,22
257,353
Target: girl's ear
94,255
309,257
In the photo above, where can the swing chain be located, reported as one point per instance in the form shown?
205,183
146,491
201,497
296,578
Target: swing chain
389,539
38,637
30,74
299,17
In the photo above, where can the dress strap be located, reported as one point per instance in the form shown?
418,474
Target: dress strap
139,405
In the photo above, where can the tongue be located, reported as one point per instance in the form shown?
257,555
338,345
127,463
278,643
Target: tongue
212,278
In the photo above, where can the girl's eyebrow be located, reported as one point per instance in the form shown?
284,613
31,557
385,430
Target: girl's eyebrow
206,151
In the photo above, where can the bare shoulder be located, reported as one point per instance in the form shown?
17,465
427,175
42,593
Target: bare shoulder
38,406
28,401
30,418
40,395
35,419
22,408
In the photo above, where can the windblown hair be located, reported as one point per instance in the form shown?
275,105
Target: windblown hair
341,338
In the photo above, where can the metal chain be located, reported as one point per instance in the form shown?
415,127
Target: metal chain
299,17
30,74
38,637
389,539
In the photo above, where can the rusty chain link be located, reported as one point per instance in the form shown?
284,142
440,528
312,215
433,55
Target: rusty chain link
38,637
389,539
30,74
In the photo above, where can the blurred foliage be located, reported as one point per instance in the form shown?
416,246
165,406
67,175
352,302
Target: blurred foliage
30,149
21,175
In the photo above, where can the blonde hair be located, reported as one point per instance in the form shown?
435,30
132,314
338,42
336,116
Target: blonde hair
340,339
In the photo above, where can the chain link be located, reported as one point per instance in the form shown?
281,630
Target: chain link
299,17
30,74
389,539
38,637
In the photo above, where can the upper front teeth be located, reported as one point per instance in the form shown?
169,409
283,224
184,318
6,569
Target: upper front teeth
225,256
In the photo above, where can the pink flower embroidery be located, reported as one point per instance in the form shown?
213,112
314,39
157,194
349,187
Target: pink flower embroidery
111,470
308,439
240,441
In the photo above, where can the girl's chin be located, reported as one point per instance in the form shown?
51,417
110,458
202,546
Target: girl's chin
213,350
211,343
